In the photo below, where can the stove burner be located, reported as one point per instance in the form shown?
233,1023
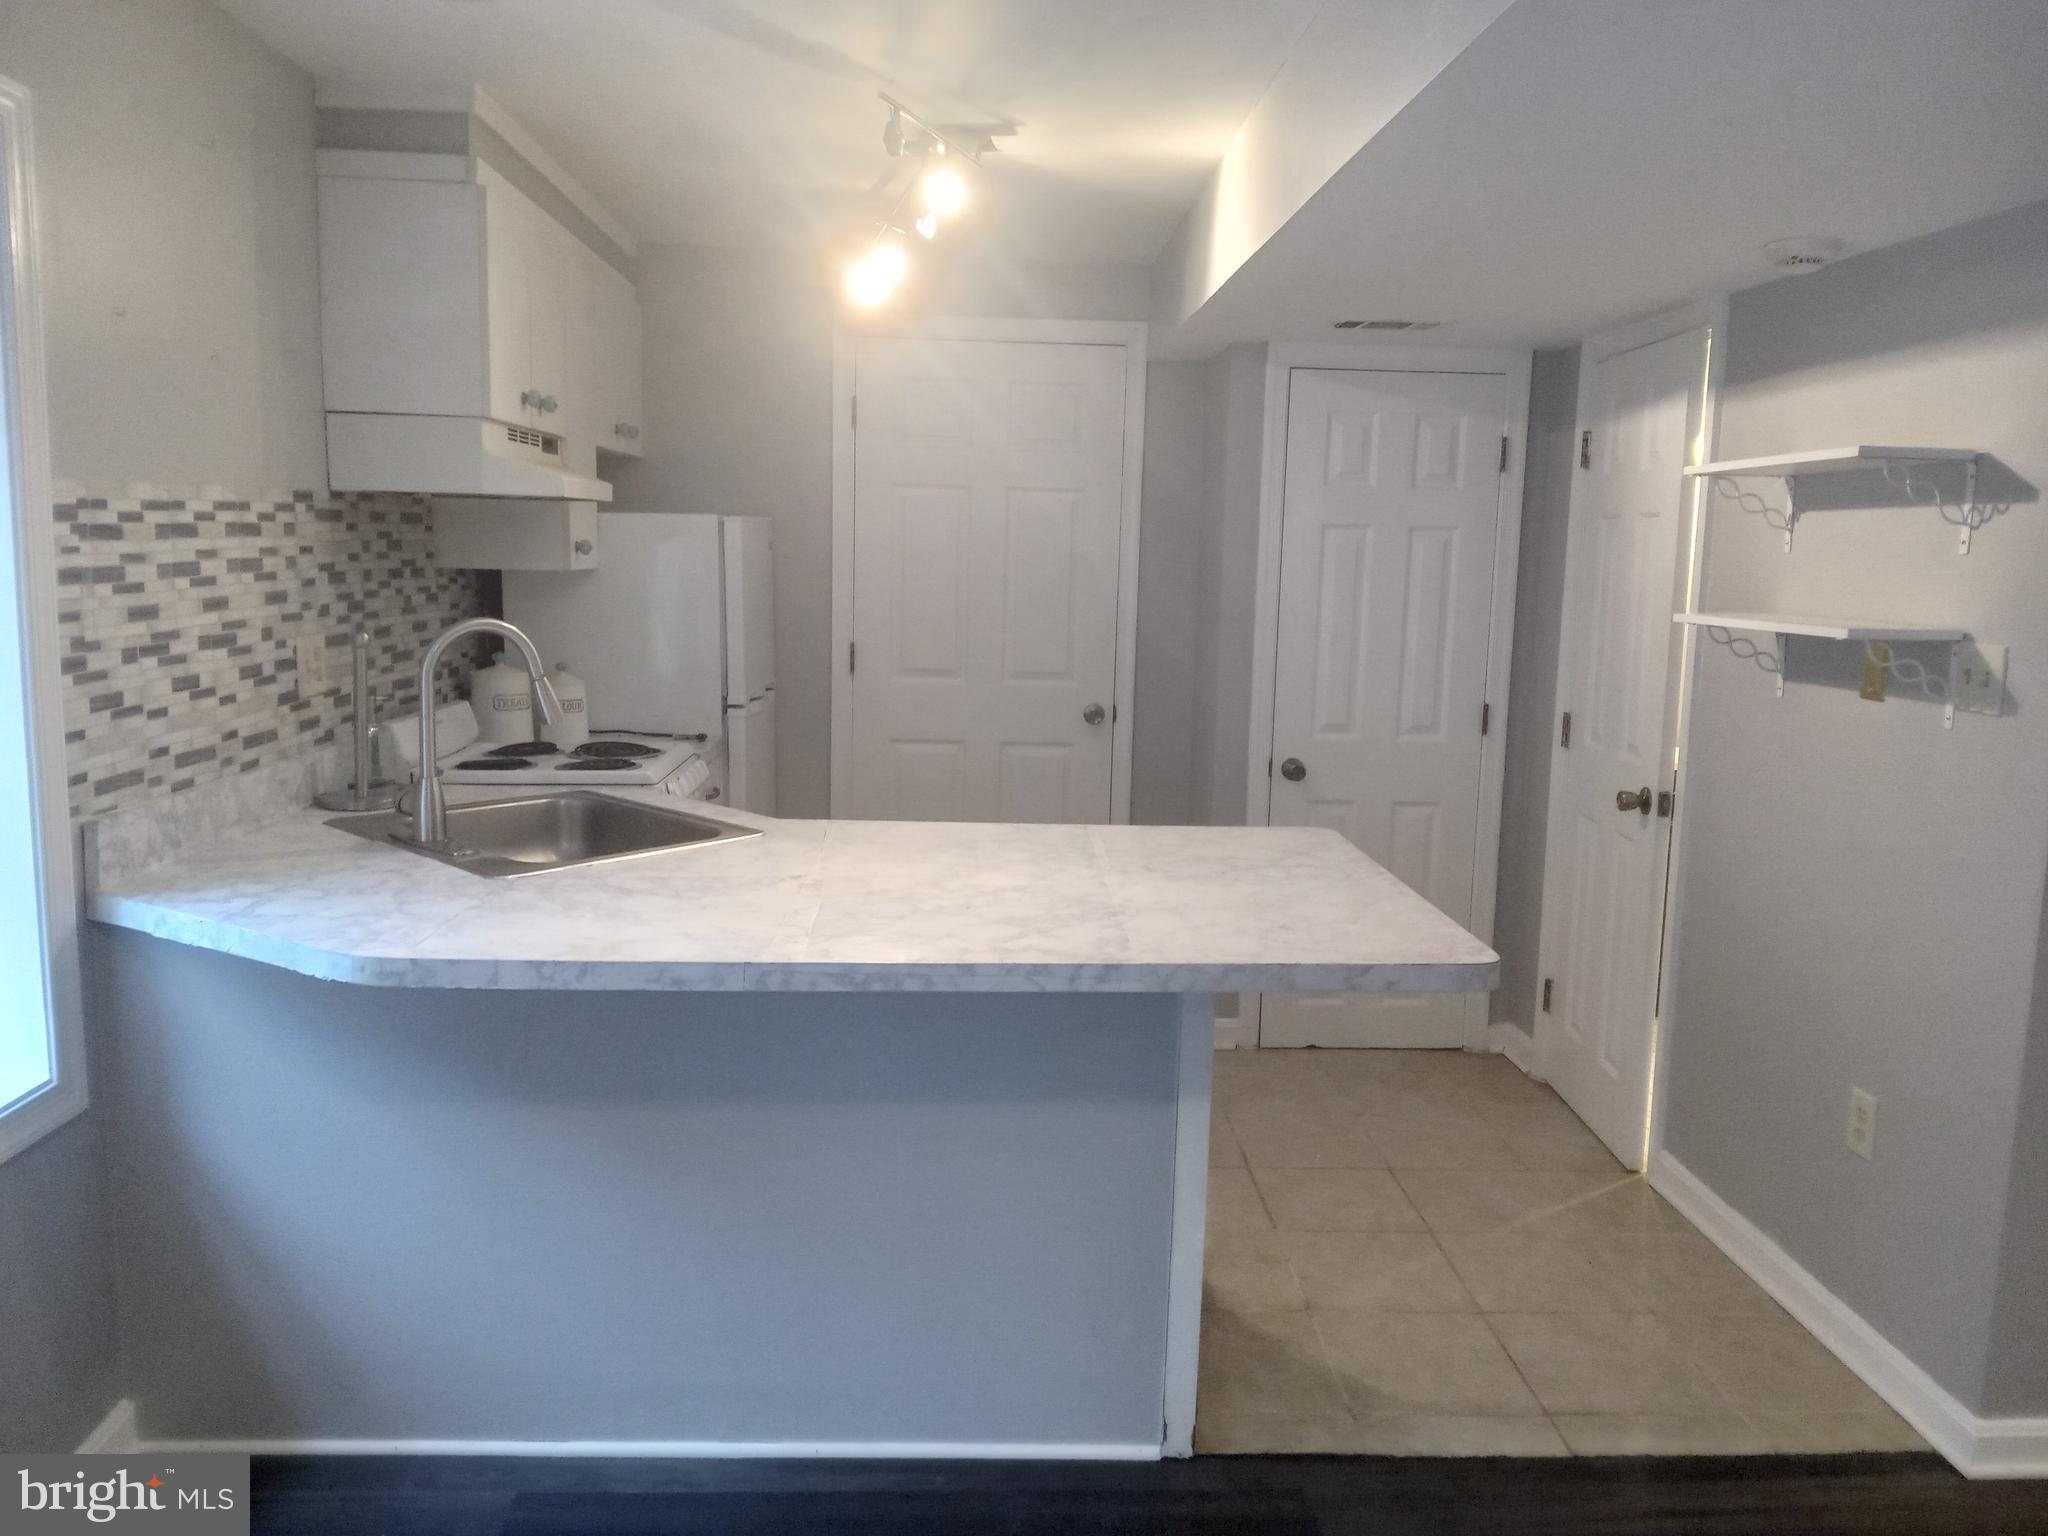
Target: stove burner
605,749
493,764
526,749
594,765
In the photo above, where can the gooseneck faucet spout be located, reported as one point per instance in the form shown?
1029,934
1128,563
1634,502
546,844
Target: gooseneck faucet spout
430,813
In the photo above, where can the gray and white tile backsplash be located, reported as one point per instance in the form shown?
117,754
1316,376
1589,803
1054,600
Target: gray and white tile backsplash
178,615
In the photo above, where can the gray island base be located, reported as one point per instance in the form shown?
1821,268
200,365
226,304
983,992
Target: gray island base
447,1211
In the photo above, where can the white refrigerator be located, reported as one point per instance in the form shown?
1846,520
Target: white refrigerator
673,631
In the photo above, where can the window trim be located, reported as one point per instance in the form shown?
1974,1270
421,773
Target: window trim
35,555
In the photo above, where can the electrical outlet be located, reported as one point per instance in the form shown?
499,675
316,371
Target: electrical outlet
309,655
1862,1123
1976,678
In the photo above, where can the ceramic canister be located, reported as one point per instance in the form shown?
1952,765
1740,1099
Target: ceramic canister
502,696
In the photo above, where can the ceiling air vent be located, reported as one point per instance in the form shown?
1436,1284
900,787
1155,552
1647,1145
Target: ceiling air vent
1804,253
1387,325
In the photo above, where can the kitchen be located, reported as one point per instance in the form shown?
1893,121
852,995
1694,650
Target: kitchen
608,816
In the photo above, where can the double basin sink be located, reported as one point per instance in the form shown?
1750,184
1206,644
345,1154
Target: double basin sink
537,833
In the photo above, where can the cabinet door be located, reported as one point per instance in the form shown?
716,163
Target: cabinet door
401,297
622,362
510,228
586,403
549,302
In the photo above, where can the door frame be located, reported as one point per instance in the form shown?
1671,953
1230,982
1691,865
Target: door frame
1282,358
1712,313
1132,336
34,558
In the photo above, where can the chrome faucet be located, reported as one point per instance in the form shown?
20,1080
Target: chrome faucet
430,814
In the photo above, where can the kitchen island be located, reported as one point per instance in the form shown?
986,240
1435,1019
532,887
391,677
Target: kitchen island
853,1138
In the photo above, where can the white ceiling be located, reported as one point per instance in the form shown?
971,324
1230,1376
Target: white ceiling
755,122
1590,161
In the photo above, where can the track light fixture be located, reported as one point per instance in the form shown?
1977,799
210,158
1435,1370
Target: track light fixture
944,152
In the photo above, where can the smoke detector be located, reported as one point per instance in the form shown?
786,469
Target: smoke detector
1804,253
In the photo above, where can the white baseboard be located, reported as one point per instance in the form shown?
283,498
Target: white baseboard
801,1450
1518,1046
1978,1446
115,1434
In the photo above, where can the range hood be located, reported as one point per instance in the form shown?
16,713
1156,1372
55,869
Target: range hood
451,456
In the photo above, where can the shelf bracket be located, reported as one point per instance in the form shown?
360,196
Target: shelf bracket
1756,506
1917,478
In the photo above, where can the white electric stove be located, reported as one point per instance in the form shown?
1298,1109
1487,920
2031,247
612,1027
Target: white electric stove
676,765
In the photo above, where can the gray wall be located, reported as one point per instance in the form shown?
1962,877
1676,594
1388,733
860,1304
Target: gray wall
1860,901
181,274
58,1374
1169,594
367,1213
1229,570
739,422
1532,706
174,177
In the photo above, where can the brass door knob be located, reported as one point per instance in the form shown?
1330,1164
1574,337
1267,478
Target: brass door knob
1094,714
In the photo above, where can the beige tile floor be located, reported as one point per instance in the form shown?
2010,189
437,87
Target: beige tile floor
1425,1253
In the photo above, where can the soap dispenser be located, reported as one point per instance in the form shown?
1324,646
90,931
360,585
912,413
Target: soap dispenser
574,729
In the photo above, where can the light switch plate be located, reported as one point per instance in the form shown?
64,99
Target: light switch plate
1976,678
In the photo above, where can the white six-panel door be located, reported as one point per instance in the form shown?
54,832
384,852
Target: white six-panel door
1604,876
987,526
1390,510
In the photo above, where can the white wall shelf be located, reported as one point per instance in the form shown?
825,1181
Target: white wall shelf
1976,673
1916,471
1819,628
1821,461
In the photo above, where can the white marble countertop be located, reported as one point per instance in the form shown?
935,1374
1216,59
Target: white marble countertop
822,906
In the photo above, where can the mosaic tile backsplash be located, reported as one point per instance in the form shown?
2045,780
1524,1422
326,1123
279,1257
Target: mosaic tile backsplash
178,616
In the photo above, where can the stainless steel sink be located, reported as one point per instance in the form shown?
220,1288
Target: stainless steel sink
537,833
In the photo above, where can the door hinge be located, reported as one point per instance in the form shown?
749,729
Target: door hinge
1564,735
849,657
1586,449
1546,994
1269,767
1667,801
1485,717
1503,453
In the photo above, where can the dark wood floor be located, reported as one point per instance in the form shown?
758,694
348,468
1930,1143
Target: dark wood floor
1865,1495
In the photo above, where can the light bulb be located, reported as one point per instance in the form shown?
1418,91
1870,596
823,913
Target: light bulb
927,224
891,259
944,191
874,276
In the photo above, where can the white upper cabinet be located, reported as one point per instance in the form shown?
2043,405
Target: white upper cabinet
466,298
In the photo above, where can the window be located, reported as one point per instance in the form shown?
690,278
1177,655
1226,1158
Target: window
42,1067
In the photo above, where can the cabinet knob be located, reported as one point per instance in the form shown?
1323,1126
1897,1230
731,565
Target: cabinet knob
546,402
584,546
529,397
